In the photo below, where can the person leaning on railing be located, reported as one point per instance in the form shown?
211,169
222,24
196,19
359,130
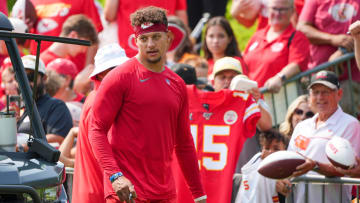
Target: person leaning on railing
284,51
310,137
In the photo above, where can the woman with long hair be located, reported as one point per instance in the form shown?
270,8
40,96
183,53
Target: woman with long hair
219,42
298,110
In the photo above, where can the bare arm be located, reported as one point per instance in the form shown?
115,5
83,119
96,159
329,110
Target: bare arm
67,144
274,83
236,13
324,169
54,138
354,30
318,37
111,9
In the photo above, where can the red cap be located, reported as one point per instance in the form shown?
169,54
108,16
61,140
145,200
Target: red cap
63,66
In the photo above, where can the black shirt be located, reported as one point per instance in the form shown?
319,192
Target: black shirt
54,115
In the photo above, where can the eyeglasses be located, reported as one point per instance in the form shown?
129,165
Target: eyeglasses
300,112
280,10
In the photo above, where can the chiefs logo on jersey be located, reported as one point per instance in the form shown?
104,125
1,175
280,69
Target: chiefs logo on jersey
207,115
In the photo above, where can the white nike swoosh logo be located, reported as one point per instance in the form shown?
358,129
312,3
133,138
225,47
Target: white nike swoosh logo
144,80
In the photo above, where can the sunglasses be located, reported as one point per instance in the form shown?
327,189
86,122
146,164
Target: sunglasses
300,112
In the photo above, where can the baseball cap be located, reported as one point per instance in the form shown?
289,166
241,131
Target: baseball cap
108,56
226,63
187,73
29,63
327,78
63,66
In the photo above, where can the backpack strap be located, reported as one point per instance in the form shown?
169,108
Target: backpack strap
290,39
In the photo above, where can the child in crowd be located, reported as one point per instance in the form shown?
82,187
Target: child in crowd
255,187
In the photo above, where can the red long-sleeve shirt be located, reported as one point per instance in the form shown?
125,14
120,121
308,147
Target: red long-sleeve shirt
147,115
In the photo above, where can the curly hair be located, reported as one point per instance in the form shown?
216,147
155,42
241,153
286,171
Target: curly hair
232,49
150,14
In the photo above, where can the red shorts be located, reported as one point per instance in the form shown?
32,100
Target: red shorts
115,199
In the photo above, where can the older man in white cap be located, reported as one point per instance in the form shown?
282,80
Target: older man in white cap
88,177
54,114
311,136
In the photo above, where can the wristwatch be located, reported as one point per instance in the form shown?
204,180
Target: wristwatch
282,76
316,167
115,176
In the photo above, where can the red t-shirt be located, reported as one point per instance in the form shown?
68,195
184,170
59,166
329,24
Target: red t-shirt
145,115
127,7
88,176
275,55
220,124
53,13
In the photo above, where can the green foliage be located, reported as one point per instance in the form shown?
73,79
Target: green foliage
242,33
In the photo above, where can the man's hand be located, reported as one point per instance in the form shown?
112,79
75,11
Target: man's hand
273,84
201,201
305,167
343,40
353,172
123,188
283,187
354,30
255,93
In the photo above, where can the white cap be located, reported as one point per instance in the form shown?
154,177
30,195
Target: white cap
226,63
29,63
19,25
108,56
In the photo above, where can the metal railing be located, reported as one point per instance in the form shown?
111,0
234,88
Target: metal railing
307,179
323,180
297,85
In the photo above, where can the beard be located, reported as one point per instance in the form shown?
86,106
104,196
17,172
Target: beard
40,90
154,61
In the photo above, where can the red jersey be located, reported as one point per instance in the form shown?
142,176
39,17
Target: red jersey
127,7
220,124
275,55
88,176
53,13
145,115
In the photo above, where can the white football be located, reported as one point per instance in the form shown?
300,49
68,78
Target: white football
340,152
242,83
280,164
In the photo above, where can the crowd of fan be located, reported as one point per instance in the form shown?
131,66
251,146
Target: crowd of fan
291,37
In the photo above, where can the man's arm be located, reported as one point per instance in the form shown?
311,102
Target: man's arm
236,9
353,172
186,153
274,83
322,168
318,37
354,30
110,10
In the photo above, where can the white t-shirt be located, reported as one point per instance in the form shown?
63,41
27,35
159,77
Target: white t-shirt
311,142
254,187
